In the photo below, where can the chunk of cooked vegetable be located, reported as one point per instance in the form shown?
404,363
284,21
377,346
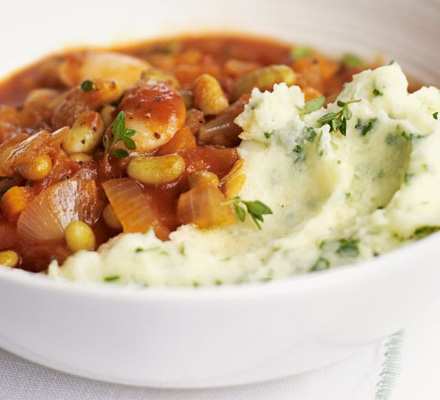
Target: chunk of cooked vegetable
111,219
203,206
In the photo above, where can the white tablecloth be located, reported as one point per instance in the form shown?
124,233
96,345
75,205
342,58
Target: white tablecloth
368,375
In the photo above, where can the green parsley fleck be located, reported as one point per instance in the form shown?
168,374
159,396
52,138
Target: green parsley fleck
377,92
408,177
88,86
348,248
111,278
391,62
297,149
196,284
338,121
139,250
300,52
256,209
352,60
366,127
390,139
435,115
321,264
218,282
424,231
412,136
310,133
267,135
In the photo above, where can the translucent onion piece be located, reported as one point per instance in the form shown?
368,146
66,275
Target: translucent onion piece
203,206
46,218
222,130
130,205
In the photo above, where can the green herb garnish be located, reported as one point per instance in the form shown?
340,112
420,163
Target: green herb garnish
88,86
377,92
267,135
120,133
300,52
297,149
352,60
412,136
310,133
139,250
312,105
321,264
348,248
366,127
338,121
435,115
424,231
111,278
256,209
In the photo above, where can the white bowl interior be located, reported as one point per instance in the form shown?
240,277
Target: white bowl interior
404,31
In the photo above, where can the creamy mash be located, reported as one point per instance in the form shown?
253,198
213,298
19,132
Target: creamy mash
335,199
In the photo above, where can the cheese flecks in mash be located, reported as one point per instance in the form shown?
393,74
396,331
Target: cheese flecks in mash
335,198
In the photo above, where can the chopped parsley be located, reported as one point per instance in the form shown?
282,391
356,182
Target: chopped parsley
139,250
338,121
111,278
297,149
366,127
310,133
312,105
408,177
435,115
390,139
88,86
352,60
120,133
377,92
300,52
267,135
412,136
256,209
321,264
348,248
424,231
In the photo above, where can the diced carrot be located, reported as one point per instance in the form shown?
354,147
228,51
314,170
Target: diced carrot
15,200
183,140
327,67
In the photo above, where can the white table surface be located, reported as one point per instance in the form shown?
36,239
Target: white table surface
419,378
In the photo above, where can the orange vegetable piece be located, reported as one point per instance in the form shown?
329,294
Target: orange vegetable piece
202,206
183,140
15,200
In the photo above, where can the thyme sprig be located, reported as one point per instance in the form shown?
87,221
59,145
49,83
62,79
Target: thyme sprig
119,133
338,121
256,209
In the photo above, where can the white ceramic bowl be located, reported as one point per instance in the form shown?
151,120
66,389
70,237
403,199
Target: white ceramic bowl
221,335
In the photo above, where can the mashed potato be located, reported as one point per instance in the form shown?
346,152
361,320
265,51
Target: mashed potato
335,199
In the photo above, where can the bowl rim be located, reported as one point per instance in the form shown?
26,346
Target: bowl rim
390,263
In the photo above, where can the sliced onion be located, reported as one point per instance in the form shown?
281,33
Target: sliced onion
222,130
130,205
203,206
46,218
